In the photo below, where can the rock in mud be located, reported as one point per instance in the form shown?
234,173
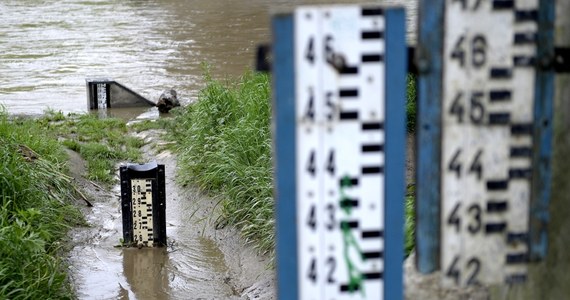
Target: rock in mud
167,101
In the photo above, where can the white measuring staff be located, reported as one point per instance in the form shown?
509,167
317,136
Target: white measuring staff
142,212
487,116
339,63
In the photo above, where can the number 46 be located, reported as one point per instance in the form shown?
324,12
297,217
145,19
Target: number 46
328,50
476,48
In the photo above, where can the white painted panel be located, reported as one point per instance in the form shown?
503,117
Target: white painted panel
486,100
347,78
308,61
142,212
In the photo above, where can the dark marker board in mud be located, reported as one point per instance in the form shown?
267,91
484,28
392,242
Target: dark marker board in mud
143,204
339,133
484,138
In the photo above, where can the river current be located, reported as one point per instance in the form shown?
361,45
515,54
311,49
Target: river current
48,48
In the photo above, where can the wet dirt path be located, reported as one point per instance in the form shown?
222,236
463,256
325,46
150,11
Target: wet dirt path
200,261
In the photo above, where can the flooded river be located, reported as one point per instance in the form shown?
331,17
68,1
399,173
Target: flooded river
49,47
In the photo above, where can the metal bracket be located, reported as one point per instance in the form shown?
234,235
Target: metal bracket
562,59
263,58
412,66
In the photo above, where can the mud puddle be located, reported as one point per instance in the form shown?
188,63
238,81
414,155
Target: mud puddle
200,262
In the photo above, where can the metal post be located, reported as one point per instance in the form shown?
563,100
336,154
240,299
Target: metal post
429,63
284,153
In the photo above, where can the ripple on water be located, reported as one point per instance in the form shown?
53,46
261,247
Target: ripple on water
147,45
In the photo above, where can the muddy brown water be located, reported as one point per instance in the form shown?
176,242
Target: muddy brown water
49,47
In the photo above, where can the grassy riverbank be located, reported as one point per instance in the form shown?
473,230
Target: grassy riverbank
36,211
224,141
39,199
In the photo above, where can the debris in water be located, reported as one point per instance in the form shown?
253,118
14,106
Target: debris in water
167,101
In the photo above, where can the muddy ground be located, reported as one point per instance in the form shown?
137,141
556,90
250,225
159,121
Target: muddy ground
201,261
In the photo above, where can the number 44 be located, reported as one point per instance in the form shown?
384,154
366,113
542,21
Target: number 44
455,165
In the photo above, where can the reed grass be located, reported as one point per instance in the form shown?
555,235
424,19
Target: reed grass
224,142
36,193
35,211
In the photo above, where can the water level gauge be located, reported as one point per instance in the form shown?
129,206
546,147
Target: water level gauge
343,123
484,136
143,204
487,140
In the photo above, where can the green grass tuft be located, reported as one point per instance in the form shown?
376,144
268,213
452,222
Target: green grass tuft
151,124
102,142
